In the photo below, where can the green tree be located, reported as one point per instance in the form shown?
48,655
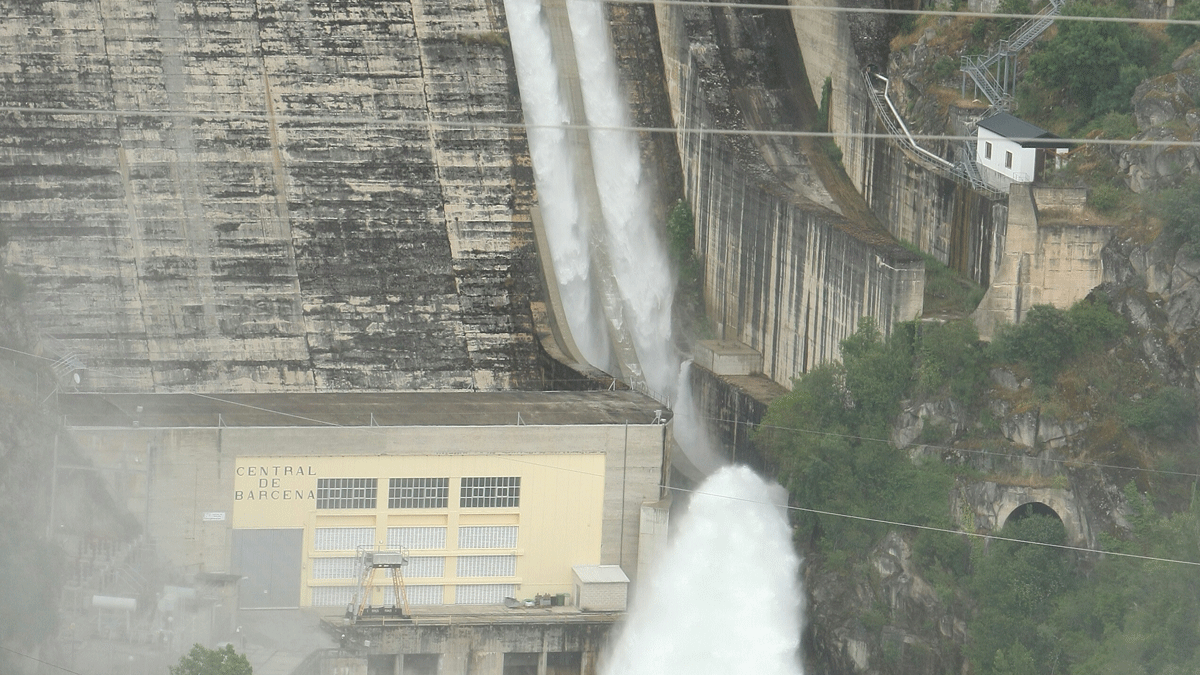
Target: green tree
1179,209
878,372
1183,34
1096,64
204,661
950,355
1016,586
1048,337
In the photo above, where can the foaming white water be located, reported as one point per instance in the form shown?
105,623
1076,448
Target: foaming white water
691,433
637,254
724,598
563,218
633,246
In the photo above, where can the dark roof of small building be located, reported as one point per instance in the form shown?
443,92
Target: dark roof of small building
416,408
1031,135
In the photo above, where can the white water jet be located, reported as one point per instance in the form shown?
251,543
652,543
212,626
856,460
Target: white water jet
563,217
637,254
724,598
691,433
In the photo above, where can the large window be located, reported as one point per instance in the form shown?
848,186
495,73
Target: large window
425,567
486,566
335,568
487,536
333,596
346,493
342,538
417,595
416,537
490,492
418,493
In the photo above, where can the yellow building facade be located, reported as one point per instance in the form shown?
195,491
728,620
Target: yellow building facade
490,495
475,528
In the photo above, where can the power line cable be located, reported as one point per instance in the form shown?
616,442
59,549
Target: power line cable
789,507
930,528
34,658
950,448
799,7
317,22
813,432
463,125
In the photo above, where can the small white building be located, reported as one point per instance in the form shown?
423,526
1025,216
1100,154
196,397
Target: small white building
600,588
1010,150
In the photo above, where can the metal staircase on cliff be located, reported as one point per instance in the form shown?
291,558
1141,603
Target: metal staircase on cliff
963,170
997,86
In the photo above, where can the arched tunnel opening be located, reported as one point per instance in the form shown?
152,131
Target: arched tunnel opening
1044,522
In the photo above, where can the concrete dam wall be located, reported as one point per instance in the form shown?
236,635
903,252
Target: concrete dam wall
784,272
942,217
245,196
258,196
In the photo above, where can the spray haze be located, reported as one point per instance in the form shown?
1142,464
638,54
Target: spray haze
724,598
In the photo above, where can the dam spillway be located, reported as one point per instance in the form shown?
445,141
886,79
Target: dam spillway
235,196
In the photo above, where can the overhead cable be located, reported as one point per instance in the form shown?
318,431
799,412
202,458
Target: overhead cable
930,528
446,125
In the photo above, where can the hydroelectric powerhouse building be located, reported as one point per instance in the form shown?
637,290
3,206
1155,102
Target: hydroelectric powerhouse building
495,499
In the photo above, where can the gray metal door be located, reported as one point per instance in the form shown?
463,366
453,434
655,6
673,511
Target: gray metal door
269,562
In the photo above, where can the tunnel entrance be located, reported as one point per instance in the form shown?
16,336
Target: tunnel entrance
1029,509
1020,524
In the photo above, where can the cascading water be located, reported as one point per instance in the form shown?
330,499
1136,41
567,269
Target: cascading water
723,599
564,219
638,257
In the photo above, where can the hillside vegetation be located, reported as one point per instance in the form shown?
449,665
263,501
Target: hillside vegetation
1080,79
1026,609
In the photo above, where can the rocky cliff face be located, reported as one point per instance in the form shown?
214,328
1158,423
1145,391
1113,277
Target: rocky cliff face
1157,287
1166,108
251,196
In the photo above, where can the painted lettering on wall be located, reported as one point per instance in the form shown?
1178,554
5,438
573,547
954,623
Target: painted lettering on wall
269,483
262,495
276,470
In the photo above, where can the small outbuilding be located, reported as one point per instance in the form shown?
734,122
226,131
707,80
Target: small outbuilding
1010,150
600,588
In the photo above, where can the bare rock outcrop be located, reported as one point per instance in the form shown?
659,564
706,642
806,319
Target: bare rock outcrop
1165,109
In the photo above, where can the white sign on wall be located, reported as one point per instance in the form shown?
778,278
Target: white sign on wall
210,516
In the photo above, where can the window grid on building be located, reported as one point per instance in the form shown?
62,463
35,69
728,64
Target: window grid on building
483,594
425,567
417,595
346,493
342,538
418,493
471,566
416,538
487,536
489,491
335,568
333,596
